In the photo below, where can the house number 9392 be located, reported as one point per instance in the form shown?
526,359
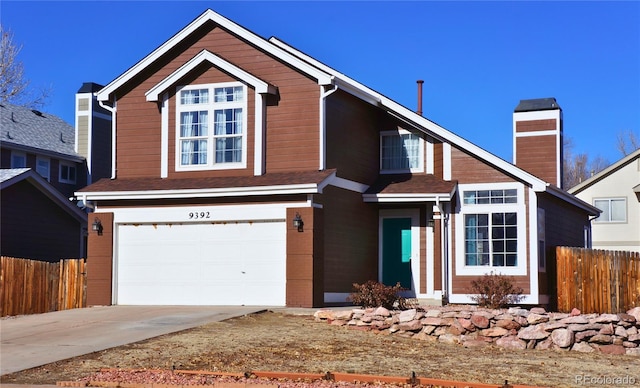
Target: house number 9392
198,215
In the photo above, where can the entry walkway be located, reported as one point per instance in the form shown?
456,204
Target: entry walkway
34,340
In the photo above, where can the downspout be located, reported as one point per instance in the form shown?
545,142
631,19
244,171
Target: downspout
112,109
444,243
323,125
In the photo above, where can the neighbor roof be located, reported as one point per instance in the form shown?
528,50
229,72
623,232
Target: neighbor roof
11,176
606,172
29,129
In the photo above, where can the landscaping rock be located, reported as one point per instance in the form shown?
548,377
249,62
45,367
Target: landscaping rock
575,312
516,328
635,312
538,310
511,342
613,349
479,321
562,337
533,333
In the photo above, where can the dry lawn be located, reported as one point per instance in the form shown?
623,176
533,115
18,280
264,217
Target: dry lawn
276,342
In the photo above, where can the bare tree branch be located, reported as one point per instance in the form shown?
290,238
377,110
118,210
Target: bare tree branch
14,86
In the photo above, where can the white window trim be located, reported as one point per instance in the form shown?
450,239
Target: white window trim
18,154
211,107
608,222
521,211
48,161
421,151
69,165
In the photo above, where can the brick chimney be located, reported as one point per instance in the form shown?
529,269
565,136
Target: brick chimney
537,138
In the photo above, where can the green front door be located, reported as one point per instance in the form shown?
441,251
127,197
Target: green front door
396,251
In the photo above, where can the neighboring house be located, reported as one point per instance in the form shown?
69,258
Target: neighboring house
616,191
44,143
66,158
248,173
37,221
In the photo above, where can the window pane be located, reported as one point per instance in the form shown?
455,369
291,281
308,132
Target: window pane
194,152
618,210
603,204
194,124
228,121
229,150
42,168
18,161
198,96
469,197
229,94
400,152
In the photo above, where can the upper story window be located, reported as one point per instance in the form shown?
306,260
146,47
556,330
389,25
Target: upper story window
18,159
613,209
67,173
43,166
211,127
401,151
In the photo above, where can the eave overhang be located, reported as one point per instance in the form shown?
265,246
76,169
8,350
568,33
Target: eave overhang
160,189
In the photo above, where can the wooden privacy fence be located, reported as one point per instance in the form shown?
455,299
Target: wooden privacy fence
32,287
597,281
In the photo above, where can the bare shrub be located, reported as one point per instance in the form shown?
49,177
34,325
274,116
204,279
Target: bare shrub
494,290
375,294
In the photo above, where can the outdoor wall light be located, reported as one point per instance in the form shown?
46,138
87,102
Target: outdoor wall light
431,223
97,226
298,223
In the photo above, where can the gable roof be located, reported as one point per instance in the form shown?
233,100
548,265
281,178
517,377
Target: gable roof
209,16
11,176
328,76
606,172
31,130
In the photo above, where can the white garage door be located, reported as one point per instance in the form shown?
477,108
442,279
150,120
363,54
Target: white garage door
231,263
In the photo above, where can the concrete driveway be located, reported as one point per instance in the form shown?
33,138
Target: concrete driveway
34,340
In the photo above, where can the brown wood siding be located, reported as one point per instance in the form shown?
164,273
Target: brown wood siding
438,167
536,125
467,169
564,226
100,262
437,256
351,240
352,136
304,259
292,124
537,155
34,227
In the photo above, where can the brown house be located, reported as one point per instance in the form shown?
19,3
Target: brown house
248,173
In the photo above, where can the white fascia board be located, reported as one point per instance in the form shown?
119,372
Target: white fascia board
207,56
604,173
420,197
342,183
311,188
322,78
357,89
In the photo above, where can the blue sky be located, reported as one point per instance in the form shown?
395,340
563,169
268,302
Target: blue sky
478,59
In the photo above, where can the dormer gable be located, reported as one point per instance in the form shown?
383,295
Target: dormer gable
261,88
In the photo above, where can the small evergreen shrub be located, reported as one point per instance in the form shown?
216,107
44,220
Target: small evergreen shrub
495,290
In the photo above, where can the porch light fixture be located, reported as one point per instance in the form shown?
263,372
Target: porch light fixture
431,223
97,226
298,223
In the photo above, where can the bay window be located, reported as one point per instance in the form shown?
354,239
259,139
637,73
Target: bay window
211,129
491,229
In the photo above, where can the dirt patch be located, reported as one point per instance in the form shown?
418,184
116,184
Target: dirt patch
277,342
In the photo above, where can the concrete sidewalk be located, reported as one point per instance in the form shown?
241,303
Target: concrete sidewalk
34,340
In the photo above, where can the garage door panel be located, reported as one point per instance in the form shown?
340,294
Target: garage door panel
202,264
